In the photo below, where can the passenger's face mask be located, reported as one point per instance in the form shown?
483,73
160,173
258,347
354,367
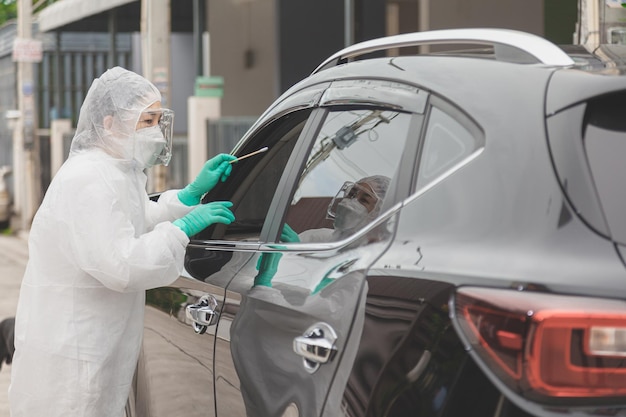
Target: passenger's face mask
149,144
349,214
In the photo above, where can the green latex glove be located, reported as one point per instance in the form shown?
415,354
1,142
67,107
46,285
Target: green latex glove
267,265
214,170
289,235
323,283
205,215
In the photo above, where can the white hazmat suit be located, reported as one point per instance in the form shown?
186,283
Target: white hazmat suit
96,243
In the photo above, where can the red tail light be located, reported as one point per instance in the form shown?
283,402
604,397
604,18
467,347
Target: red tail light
548,348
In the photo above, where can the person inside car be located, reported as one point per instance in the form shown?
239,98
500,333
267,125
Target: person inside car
96,244
354,206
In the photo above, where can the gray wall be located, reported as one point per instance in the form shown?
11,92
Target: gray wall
244,25
183,76
308,32
510,14
288,38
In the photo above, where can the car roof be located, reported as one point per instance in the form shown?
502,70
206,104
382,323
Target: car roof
475,85
508,45
522,67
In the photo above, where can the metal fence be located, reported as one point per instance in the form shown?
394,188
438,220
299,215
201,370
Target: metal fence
70,63
223,134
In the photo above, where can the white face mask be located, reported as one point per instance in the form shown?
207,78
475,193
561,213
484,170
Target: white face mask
148,145
350,214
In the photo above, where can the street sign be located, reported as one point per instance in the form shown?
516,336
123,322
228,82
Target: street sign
27,50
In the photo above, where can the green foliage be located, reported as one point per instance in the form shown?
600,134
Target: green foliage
8,10
38,5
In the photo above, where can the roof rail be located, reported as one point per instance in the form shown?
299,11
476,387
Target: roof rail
543,50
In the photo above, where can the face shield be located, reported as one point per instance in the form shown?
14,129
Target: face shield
359,193
153,137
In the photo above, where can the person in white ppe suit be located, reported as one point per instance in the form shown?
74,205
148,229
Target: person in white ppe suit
96,244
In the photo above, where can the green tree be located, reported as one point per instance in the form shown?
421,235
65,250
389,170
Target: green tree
8,10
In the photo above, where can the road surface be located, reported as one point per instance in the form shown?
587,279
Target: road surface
13,258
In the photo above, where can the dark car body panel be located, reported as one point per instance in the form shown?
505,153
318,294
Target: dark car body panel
570,87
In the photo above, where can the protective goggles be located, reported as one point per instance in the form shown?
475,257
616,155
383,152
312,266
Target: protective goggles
364,195
164,118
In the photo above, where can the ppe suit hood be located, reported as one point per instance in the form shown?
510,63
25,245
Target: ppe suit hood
109,114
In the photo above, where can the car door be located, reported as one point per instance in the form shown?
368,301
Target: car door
292,316
175,372
410,362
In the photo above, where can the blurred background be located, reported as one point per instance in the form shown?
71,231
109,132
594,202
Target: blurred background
218,64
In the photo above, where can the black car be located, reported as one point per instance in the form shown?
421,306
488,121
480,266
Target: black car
484,276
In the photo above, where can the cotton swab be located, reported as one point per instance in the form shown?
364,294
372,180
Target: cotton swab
250,154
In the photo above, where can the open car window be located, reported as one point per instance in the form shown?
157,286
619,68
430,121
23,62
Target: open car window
253,181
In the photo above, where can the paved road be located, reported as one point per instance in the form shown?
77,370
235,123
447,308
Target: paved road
13,257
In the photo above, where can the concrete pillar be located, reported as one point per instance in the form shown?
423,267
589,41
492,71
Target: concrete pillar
423,22
348,23
155,49
58,128
589,24
26,144
199,110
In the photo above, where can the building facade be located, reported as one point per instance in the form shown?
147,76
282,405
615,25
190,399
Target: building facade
258,47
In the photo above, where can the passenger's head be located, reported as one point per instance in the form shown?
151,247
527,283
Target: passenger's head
358,203
122,115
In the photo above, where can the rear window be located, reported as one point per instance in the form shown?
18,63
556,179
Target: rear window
604,138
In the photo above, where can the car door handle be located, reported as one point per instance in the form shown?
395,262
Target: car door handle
316,346
202,314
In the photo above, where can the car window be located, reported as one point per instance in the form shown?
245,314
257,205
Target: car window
604,131
254,180
448,141
345,178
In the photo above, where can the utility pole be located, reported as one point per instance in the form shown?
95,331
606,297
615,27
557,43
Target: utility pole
588,30
423,22
348,23
155,50
26,145
601,22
